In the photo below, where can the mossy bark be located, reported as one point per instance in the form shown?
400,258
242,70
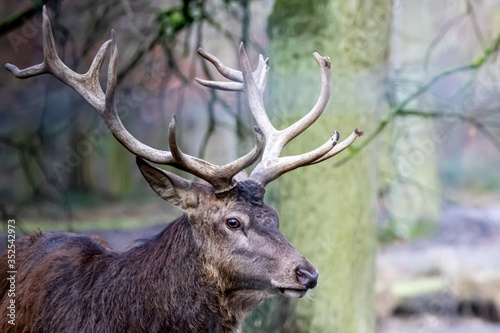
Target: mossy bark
329,212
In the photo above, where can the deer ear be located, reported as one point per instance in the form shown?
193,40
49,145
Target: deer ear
176,190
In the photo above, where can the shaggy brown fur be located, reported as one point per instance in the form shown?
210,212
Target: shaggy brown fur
197,275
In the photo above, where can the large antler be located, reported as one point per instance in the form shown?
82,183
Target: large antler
253,84
88,86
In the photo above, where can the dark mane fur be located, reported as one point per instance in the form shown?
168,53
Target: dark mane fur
156,286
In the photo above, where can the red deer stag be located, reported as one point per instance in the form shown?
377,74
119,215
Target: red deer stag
207,270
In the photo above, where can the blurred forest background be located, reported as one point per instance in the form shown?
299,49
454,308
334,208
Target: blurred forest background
404,227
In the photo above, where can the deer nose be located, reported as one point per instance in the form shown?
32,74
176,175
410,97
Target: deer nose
307,276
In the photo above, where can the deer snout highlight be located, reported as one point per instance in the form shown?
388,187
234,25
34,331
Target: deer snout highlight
307,275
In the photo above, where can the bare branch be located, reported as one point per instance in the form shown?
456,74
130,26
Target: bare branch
393,112
88,86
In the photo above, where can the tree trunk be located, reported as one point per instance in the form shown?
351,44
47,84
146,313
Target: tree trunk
329,212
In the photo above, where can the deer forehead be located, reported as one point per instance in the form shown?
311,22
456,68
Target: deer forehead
244,202
246,197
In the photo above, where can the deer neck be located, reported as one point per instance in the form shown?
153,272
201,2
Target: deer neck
190,278
175,263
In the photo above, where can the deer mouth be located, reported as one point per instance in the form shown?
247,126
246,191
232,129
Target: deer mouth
292,292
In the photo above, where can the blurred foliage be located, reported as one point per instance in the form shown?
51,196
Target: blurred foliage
52,176
174,19
19,18
389,232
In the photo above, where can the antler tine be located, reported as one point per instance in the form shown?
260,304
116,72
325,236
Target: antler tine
219,85
234,75
111,83
221,178
243,162
306,121
271,168
227,72
48,53
339,147
268,170
272,165
253,84
230,73
281,138
88,86
255,96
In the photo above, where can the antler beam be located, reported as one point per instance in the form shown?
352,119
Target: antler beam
88,86
253,84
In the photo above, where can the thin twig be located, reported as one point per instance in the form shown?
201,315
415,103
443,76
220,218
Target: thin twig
466,118
18,19
393,112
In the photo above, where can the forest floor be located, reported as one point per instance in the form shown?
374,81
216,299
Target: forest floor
438,324
448,282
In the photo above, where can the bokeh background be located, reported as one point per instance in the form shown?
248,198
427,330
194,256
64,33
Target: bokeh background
404,226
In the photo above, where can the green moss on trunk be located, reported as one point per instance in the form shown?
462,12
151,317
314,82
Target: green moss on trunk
329,213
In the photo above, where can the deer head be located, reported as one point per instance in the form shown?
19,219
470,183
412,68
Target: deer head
236,232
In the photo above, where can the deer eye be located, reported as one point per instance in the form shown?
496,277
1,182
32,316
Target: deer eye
233,223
